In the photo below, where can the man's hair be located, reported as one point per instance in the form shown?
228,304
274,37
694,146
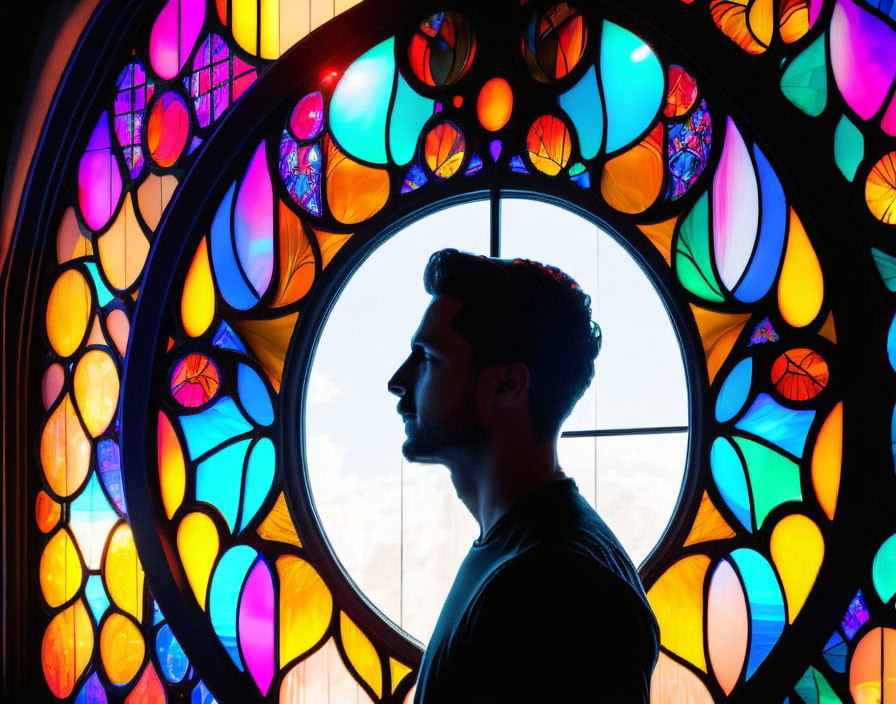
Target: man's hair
522,311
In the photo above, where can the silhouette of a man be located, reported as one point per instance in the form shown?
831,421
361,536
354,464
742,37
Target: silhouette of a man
547,606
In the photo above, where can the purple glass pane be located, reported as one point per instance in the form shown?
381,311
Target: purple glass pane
856,615
495,149
300,171
689,144
764,332
413,179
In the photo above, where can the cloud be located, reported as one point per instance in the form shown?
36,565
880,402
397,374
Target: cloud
321,389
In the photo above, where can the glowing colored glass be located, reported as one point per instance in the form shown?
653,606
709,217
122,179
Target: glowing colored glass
215,425
800,374
123,248
774,479
133,92
688,150
60,569
397,672
68,312
805,80
46,512
682,93
826,461
256,625
718,333
880,189
253,223
91,519
194,381
173,661
708,524
108,459
306,607
692,253
549,144
66,649
872,670
361,654
92,692
96,596
96,390
227,583
728,474
153,196
296,260
631,182
99,179
307,116
797,550
172,474
801,286
554,42
323,676
495,104
230,279
64,450
354,192
812,686
277,526
674,682
856,615
444,149
727,625
197,544
849,148
72,241
409,113
442,48
300,170
121,649
173,35
750,30
167,129
197,303
583,105
123,572
218,480
259,477
766,604
734,391
883,570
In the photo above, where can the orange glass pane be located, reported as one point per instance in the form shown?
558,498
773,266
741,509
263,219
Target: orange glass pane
718,332
46,512
60,569
96,336
322,677
397,672
119,328
731,17
660,234
761,19
123,248
495,104
549,144
677,602
727,626
68,312
829,329
709,524
123,572
329,243
197,543
826,460
306,606
872,672
66,648
672,682
172,473
121,648
153,196
51,384
269,340
148,690
296,260
800,374
361,654
197,303
444,149
794,20
354,192
797,550
801,286
880,189
96,390
633,180
64,450
278,525
71,242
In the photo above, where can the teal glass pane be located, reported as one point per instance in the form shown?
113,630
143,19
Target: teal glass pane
633,83
735,390
728,474
883,570
259,477
92,517
215,425
805,82
583,105
254,396
766,604
784,427
692,257
227,581
409,113
813,688
774,479
886,265
96,596
103,294
218,480
360,103
849,147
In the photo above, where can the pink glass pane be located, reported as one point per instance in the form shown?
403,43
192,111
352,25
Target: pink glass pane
99,181
173,35
889,121
256,625
253,223
726,626
308,116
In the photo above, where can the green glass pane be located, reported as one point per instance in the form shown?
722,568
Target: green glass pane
360,104
774,479
849,147
583,105
886,265
692,256
410,112
883,570
805,82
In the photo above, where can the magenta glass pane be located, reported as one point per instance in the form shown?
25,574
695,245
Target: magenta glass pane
889,121
308,116
173,35
256,625
253,223
99,181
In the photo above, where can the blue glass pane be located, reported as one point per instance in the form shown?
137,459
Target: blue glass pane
300,169
583,105
835,653
781,426
728,474
109,461
226,338
259,477
96,596
582,180
474,166
227,582
766,604
856,615
413,179
103,294
92,516
213,426
409,113
254,396
633,85
157,616
360,103
735,390
218,480
172,660
516,164
201,695
92,692
764,266
231,282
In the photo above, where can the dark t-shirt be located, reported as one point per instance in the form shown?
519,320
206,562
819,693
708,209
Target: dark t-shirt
547,607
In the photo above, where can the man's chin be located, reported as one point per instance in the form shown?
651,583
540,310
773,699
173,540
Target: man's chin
413,451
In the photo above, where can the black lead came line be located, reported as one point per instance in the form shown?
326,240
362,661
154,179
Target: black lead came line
607,432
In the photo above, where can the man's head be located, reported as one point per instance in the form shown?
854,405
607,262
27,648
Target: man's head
498,333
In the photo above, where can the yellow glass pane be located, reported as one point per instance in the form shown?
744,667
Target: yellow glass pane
826,461
801,287
68,312
306,606
397,671
121,648
71,242
197,303
709,524
673,682
269,340
874,661
718,332
172,474
296,259
123,572
278,525
677,602
295,23
123,248
330,243
322,677
66,648
96,390
731,17
631,181
880,189
46,512
794,20
153,196
660,234
354,192
797,550
245,24
60,569
269,18
197,543
64,450
148,690
762,20
361,654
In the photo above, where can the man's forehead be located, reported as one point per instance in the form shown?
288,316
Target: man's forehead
435,327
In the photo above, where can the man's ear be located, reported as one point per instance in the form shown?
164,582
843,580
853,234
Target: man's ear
512,384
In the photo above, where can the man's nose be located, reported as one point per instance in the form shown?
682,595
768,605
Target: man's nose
398,384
